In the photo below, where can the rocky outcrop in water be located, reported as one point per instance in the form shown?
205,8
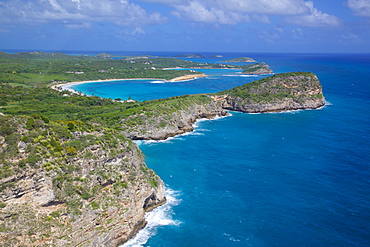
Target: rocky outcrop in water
282,92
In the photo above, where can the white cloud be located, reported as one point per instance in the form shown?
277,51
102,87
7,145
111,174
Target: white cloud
121,12
276,7
78,25
196,11
236,11
261,18
128,13
297,12
350,37
130,34
168,2
314,18
360,7
297,33
271,35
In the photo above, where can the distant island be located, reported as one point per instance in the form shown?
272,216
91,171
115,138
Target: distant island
104,55
190,56
241,60
70,174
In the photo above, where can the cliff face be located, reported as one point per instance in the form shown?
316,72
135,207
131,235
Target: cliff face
93,196
282,92
177,120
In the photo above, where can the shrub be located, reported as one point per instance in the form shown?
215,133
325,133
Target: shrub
71,150
94,205
85,195
30,124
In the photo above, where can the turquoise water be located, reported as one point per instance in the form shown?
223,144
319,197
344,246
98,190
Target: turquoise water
299,178
219,79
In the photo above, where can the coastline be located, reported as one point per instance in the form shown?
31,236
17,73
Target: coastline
68,85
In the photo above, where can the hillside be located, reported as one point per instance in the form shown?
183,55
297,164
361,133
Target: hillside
257,69
41,69
69,183
70,174
240,60
281,92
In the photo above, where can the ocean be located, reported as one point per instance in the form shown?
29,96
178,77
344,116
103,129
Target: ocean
299,178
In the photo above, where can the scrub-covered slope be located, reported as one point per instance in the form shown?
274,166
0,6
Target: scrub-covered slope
281,92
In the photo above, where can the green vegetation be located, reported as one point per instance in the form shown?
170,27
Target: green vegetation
45,129
80,144
35,69
276,87
80,112
258,68
240,60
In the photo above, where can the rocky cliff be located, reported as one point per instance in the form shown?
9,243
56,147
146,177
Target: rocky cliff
74,183
171,117
282,92
71,188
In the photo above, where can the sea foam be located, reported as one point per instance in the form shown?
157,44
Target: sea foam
161,216
196,131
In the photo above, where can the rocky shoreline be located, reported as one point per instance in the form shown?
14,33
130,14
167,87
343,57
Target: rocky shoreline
282,92
99,196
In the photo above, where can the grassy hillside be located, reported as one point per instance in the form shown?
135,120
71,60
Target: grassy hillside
39,68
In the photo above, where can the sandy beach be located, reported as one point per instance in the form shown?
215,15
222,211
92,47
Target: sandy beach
187,77
68,85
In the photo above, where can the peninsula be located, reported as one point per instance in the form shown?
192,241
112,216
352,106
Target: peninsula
241,60
281,92
195,55
257,69
70,173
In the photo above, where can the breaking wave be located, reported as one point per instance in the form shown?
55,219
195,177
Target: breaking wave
161,216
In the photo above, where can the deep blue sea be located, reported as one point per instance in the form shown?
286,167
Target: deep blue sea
298,178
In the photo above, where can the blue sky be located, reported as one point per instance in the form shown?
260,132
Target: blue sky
186,25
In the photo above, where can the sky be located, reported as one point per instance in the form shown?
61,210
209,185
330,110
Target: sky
317,26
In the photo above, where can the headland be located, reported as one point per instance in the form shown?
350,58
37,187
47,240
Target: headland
70,173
